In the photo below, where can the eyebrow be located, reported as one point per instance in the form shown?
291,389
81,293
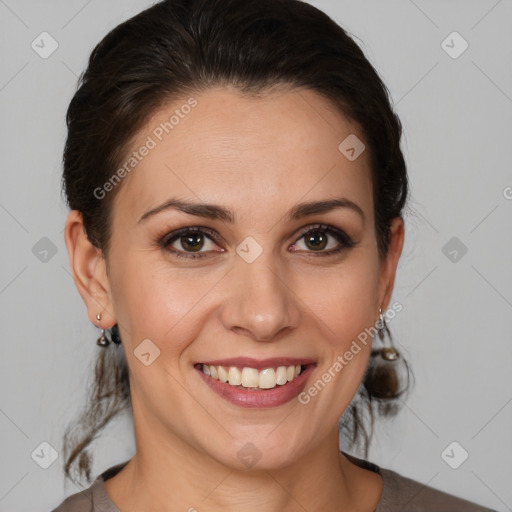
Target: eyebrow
216,212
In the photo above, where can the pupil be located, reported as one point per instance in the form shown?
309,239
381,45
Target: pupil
191,242
320,244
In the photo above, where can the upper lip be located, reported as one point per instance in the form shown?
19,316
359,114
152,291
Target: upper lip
259,364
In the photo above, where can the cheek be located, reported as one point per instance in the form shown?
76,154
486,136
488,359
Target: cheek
343,300
168,305
150,300
153,310
344,311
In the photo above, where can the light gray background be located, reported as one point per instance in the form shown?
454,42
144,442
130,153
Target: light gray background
455,324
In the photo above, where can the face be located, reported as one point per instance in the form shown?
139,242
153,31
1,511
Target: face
257,282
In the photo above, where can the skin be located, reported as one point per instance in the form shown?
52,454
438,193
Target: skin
258,157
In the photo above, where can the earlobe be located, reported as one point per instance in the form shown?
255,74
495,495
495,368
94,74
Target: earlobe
389,265
88,268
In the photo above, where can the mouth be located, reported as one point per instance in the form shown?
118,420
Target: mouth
251,383
247,377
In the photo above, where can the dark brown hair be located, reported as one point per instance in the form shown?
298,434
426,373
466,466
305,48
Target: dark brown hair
181,47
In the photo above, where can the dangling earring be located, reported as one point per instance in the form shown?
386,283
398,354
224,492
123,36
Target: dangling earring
102,341
387,375
387,353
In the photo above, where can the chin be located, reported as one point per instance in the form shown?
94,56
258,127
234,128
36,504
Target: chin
259,449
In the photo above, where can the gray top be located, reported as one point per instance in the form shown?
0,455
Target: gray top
398,493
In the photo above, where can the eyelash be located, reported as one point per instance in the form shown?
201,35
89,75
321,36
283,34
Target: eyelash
165,241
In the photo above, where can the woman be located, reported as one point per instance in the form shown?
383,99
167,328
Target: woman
236,188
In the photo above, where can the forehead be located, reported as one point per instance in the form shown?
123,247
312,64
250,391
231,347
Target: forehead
247,153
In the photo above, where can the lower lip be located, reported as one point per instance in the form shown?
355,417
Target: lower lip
251,397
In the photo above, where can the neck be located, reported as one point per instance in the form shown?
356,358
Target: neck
179,478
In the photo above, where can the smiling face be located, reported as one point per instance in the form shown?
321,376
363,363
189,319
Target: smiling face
260,278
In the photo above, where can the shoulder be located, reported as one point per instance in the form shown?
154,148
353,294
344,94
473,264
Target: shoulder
79,502
406,493
94,498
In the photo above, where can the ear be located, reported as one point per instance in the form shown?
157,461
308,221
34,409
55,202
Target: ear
390,263
88,268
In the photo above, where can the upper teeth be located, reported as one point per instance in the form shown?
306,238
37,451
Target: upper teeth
252,378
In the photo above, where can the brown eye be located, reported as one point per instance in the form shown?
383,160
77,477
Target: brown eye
192,242
185,242
316,240
320,237
189,242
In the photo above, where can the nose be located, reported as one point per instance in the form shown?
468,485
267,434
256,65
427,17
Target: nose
261,303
